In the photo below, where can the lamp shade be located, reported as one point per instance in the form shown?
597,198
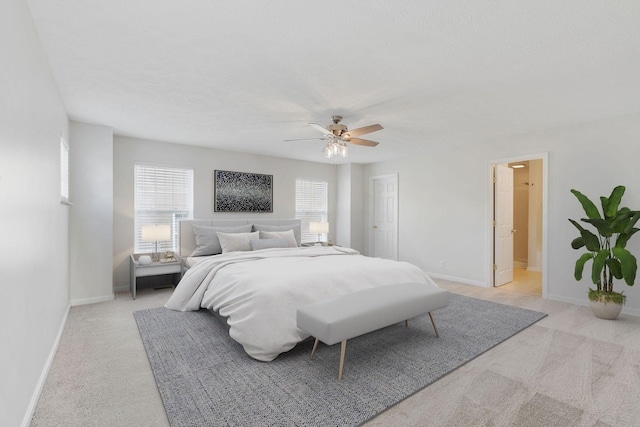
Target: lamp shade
318,227
156,232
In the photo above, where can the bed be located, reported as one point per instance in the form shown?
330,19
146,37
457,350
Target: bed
259,290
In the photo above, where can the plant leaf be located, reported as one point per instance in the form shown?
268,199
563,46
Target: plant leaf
623,238
628,263
577,243
632,221
591,241
614,202
589,208
615,267
601,225
604,202
598,265
580,264
578,226
620,222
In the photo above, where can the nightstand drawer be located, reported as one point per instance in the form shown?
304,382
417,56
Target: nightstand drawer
157,268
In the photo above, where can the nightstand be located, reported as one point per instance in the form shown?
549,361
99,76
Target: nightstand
154,269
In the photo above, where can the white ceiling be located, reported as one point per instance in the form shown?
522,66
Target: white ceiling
246,75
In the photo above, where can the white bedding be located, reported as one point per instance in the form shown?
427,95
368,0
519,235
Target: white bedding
193,260
260,291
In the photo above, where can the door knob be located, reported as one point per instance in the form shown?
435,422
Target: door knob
514,230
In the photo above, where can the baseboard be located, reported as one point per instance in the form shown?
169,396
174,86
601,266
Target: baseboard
535,269
93,300
45,372
575,301
124,288
459,280
631,311
584,302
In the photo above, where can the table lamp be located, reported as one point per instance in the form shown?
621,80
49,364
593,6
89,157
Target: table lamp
156,233
319,228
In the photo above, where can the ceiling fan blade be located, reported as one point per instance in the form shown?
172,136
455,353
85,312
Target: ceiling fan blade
365,142
304,139
320,128
364,130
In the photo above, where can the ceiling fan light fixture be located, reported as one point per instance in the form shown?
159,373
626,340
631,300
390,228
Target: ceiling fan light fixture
335,148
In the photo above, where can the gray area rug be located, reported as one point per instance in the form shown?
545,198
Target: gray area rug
206,379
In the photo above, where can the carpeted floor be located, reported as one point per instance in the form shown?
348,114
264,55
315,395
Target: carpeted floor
205,378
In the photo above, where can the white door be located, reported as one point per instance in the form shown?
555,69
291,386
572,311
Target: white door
385,217
503,230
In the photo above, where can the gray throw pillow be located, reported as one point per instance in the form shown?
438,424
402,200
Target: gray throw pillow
293,226
287,235
207,242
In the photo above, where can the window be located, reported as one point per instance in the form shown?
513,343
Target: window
163,195
311,206
64,171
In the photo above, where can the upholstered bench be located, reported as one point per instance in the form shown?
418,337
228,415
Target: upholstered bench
351,315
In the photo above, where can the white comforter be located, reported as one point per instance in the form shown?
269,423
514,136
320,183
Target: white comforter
260,291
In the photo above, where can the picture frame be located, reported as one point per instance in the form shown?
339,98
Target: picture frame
242,192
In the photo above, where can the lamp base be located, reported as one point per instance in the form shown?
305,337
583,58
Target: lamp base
156,255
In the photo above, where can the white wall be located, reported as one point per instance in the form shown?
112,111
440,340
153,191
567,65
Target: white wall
357,210
343,207
437,219
203,161
350,209
34,244
534,252
91,217
444,199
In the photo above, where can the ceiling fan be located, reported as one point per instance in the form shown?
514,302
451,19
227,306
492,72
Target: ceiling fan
338,135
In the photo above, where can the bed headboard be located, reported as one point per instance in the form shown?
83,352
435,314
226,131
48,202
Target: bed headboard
187,238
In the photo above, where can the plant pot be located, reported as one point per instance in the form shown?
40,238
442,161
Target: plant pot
605,310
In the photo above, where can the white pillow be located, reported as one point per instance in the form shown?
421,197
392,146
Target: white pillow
268,244
291,238
231,242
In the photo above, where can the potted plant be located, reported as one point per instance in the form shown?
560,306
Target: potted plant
606,249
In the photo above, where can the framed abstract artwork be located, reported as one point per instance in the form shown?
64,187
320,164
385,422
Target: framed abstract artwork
242,192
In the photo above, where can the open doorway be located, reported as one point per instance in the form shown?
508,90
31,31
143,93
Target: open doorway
518,217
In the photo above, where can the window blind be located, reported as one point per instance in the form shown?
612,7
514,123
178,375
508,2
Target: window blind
311,206
163,195
64,171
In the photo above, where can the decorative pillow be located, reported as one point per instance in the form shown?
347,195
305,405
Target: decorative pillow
287,235
232,242
207,242
268,243
293,226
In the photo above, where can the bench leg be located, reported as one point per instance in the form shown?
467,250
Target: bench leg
406,322
343,349
434,325
315,345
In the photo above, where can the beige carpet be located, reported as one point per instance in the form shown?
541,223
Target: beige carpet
569,369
